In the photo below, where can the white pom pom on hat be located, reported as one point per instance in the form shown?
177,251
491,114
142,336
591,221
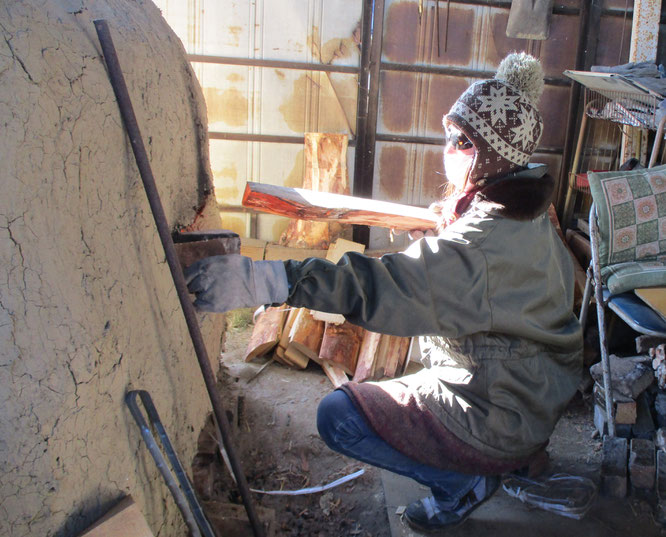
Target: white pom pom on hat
524,73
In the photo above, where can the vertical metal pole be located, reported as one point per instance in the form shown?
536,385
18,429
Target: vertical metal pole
372,29
129,119
601,320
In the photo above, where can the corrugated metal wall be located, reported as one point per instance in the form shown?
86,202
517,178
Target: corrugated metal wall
272,70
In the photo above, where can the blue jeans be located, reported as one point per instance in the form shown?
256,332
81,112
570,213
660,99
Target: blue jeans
345,430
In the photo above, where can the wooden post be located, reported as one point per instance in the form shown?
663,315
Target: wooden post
325,171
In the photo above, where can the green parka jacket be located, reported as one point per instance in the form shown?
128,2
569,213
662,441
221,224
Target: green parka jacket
492,298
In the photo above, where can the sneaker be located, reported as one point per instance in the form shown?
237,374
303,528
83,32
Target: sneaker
429,514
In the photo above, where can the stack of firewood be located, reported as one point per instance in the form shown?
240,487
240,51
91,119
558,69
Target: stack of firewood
294,336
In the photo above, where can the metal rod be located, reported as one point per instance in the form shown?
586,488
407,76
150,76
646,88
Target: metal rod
129,119
601,320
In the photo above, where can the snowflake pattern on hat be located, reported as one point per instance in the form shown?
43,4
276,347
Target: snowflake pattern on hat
502,123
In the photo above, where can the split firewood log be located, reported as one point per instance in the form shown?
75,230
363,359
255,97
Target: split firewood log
340,345
305,335
366,356
266,333
336,375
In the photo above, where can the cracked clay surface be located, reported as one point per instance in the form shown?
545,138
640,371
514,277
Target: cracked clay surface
87,304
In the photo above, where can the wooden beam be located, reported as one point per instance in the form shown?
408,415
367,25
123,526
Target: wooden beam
321,206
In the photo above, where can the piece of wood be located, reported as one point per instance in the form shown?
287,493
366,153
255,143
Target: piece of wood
253,248
275,252
325,171
306,334
279,353
124,519
296,357
397,354
366,356
655,297
340,345
390,351
336,375
342,246
309,205
266,333
332,318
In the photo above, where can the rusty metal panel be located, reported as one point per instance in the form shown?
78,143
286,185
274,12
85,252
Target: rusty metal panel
553,106
411,39
414,103
409,173
614,41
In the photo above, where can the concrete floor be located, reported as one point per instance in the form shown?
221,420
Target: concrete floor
503,516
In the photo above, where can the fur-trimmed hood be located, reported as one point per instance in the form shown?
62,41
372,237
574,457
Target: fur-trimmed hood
523,195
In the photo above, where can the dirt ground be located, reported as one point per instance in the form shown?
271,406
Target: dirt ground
275,409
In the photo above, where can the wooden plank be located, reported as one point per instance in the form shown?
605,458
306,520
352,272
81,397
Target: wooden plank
336,375
124,519
266,333
253,248
306,334
275,252
310,205
284,338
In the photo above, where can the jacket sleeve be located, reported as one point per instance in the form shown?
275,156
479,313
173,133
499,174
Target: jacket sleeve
435,287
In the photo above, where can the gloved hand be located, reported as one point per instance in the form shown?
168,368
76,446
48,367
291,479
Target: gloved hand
226,282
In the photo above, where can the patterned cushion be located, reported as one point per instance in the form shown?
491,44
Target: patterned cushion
625,276
631,210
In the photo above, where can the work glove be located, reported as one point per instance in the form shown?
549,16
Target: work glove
226,282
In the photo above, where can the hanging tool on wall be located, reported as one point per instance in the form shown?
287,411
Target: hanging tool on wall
180,485
131,125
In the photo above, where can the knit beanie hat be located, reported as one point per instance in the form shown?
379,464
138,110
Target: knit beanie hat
500,118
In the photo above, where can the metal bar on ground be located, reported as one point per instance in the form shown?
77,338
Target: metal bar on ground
141,156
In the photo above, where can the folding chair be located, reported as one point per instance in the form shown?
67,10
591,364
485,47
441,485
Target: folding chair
628,242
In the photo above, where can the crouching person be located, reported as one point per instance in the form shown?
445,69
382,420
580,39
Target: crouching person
490,295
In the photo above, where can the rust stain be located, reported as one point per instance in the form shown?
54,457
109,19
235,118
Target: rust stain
434,180
279,74
233,223
393,171
336,49
235,77
443,92
400,43
234,34
397,100
460,36
293,109
295,177
229,106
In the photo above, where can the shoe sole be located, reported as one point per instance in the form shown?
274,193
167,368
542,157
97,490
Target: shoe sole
424,529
